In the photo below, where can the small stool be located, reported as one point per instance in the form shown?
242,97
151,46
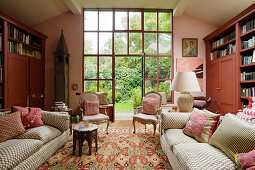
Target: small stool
82,134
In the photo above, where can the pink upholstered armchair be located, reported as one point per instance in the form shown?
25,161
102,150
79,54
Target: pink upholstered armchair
89,103
150,114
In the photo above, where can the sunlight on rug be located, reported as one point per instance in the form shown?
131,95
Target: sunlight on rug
120,149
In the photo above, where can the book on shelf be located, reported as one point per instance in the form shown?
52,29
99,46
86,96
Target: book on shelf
248,43
60,106
248,26
231,48
249,91
223,40
18,34
247,76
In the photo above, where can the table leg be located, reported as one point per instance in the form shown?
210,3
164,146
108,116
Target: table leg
70,125
90,142
74,143
96,140
80,146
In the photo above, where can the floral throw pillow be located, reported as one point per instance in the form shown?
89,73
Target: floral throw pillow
11,126
91,107
150,105
201,125
246,160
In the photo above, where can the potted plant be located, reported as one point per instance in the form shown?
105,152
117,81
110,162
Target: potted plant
137,101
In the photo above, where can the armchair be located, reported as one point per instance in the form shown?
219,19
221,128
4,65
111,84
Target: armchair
97,118
148,118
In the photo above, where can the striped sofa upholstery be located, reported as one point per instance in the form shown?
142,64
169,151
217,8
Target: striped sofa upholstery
31,149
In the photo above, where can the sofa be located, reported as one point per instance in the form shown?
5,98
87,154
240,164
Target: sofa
185,152
31,149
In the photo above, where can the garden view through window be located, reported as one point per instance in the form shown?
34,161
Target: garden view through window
116,41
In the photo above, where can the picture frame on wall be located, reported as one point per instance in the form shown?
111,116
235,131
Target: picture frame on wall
189,47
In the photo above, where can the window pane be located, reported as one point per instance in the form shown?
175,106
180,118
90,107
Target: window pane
105,20
120,43
91,20
150,43
135,20
90,86
90,67
105,43
151,67
164,86
90,43
164,67
121,19
106,86
150,85
164,21
105,67
135,43
150,21
165,44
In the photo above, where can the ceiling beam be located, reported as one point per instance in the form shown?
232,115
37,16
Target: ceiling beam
180,7
73,6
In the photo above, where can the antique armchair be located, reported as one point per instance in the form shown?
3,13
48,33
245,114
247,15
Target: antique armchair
96,118
201,102
148,118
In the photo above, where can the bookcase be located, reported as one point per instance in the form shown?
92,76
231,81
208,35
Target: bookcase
230,63
22,59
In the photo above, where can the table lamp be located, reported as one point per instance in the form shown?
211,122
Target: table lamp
185,82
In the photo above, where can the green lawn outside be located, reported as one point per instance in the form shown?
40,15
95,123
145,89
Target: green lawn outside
124,107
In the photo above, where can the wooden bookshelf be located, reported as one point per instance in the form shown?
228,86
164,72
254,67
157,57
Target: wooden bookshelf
23,57
223,75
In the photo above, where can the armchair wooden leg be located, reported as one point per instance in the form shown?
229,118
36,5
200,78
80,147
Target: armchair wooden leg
107,127
145,127
134,124
155,126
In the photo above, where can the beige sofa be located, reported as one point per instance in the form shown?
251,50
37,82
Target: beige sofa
31,149
184,152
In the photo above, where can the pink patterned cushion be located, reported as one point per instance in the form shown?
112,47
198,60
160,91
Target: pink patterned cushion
246,160
251,102
91,107
246,117
199,103
150,105
11,126
23,112
201,125
250,112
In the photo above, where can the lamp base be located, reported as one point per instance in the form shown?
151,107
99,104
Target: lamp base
185,102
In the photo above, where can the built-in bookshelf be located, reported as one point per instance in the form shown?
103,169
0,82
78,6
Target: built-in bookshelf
22,51
230,62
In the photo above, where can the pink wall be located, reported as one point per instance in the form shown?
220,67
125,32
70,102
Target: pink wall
72,26
183,27
186,26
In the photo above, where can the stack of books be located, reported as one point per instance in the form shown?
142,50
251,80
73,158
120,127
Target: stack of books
60,106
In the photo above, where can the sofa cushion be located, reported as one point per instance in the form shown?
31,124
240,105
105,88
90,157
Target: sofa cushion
10,126
234,135
202,156
176,136
201,125
14,151
43,133
245,160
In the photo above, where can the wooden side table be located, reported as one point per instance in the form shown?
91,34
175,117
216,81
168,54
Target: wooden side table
83,134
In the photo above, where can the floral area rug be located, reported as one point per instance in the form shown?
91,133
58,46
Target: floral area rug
120,149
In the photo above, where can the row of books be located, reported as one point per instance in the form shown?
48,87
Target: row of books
1,42
224,39
248,59
18,34
248,26
22,49
246,92
249,43
60,106
231,48
247,76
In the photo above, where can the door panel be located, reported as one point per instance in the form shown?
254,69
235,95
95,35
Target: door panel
227,84
214,85
17,80
36,83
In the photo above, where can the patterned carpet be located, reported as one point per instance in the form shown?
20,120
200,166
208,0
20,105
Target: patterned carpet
120,149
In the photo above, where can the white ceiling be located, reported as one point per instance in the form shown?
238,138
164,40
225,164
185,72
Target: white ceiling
215,12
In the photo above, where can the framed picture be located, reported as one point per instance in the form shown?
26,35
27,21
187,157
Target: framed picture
189,47
74,86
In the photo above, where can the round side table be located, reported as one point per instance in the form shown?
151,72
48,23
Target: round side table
82,134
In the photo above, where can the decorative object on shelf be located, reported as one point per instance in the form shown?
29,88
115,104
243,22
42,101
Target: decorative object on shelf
61,70
191,64
189,47
185,82
75,86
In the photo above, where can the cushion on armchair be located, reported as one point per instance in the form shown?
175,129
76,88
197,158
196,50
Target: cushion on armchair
102,96
91,107
150,105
